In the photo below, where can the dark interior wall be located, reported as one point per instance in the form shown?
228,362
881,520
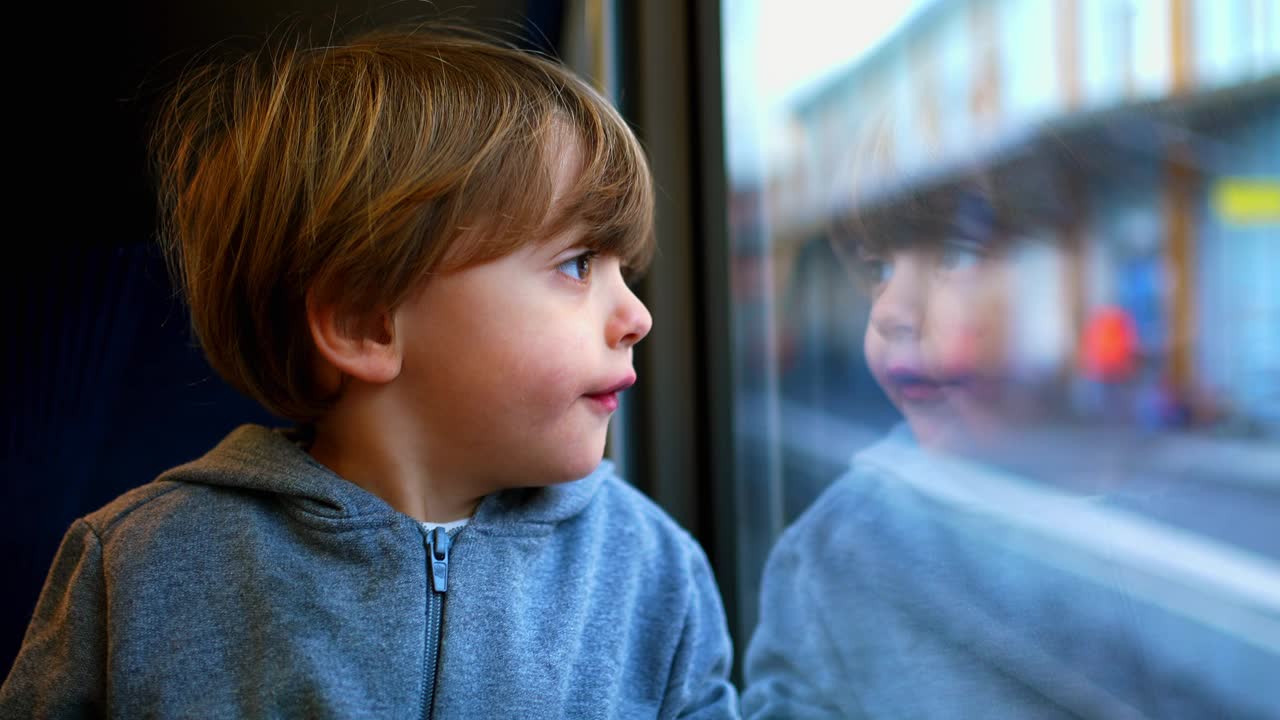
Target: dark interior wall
102,387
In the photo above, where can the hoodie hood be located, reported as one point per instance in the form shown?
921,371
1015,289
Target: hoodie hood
272,461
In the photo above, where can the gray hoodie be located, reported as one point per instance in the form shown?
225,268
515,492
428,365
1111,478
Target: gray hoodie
254,582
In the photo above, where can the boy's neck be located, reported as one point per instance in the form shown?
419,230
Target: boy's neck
354,441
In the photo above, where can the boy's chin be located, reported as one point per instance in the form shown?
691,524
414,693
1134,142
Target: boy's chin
584,466
590,455
933,432
564,474
956,437
575,454
575,466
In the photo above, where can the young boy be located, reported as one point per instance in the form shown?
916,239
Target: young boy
414,246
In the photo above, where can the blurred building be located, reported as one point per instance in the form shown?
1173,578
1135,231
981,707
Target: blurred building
1148,129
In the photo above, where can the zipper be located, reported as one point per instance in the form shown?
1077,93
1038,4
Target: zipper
437,545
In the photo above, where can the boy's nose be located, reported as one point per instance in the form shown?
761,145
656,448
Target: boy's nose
630,321
898,312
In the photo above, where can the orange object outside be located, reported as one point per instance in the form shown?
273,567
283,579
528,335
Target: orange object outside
1110,345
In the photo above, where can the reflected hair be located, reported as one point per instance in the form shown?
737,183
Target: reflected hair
983,206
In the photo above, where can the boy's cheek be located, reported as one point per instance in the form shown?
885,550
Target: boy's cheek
553,376
968,337
873,352
969,351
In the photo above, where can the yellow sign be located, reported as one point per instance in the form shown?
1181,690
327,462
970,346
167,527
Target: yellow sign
1247,201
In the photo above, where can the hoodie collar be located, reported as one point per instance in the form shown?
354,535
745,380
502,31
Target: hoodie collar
259,459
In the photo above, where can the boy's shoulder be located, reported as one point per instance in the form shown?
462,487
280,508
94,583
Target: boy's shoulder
602,505
250,472
141,504
629,509
167,515
616,495
163,524
871,502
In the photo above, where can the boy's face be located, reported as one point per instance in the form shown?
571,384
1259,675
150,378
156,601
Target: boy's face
512,367
937,340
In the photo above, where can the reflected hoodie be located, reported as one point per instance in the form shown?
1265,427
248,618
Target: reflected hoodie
923,586
254,582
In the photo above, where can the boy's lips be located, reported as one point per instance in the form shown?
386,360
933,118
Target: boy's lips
916,387
606,399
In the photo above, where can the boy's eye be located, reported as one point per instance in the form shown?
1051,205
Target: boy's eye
876,271
577,267
960,255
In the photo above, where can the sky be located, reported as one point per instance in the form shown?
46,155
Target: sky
775,49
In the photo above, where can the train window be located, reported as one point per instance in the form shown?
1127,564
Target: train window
1006,326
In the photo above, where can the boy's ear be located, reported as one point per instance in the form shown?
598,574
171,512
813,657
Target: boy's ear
365,348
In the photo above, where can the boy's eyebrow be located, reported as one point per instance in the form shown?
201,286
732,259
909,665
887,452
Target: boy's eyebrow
565,234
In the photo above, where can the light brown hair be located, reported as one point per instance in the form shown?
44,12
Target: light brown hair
355,171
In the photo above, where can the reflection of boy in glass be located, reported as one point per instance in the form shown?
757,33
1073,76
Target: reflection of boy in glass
956,275
938,328
921,584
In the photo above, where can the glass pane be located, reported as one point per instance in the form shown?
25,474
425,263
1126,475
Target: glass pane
1006,291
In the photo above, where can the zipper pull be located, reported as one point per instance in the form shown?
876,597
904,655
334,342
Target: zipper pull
438,557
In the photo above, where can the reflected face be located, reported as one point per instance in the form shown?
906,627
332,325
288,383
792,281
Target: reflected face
937,339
